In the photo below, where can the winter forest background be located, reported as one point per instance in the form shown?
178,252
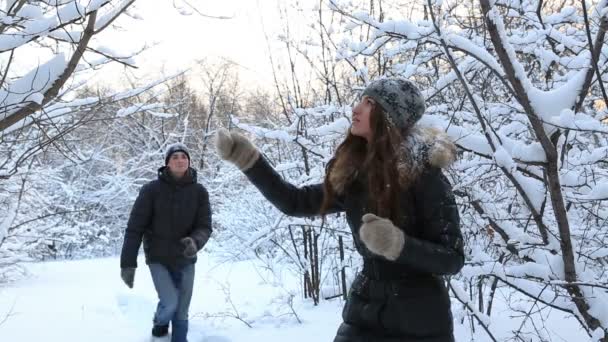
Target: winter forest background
520,86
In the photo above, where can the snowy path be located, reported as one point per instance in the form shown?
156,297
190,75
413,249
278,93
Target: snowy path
76,301
86,301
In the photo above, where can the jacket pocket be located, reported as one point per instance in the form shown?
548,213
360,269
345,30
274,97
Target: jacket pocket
428,315
362,312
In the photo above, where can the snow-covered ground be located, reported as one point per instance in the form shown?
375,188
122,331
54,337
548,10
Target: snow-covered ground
85,300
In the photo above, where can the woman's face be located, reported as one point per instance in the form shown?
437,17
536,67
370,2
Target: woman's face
178,164
361,118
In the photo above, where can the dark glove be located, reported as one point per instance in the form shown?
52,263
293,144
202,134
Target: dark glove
190,248
128,275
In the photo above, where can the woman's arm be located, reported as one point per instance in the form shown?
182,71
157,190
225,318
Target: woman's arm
443,252
440,248
291,200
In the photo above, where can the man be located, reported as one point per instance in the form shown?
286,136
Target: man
172,216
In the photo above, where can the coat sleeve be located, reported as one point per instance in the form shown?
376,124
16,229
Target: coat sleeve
291,200
442,250
202,229
141,215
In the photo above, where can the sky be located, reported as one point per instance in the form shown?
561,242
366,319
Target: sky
178,40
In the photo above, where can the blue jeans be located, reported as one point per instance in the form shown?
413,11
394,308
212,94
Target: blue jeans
174,288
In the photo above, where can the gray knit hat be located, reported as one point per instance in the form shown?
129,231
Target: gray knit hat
177,147
400,98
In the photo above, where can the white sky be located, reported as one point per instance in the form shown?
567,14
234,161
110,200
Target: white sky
181,40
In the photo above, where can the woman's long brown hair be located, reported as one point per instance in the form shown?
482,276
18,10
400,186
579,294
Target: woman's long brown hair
376,160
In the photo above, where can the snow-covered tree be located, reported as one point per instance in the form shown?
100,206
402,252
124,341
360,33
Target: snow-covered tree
519,86
49,171
74,197
45,48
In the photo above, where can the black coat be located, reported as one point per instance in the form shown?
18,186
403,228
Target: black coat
401,300
165,212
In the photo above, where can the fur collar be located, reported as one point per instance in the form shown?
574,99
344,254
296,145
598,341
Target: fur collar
422,148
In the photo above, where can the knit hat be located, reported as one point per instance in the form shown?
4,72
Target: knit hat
400,98
177,147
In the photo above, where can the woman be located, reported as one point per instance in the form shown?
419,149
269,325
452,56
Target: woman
173,217
387,177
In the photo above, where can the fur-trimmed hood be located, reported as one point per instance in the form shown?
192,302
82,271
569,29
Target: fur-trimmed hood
422,148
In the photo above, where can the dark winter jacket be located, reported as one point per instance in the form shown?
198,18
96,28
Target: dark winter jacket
404,300
166,211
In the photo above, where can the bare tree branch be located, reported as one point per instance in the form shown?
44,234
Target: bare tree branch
52,92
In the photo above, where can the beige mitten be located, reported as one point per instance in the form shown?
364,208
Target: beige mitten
235,148
381,236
